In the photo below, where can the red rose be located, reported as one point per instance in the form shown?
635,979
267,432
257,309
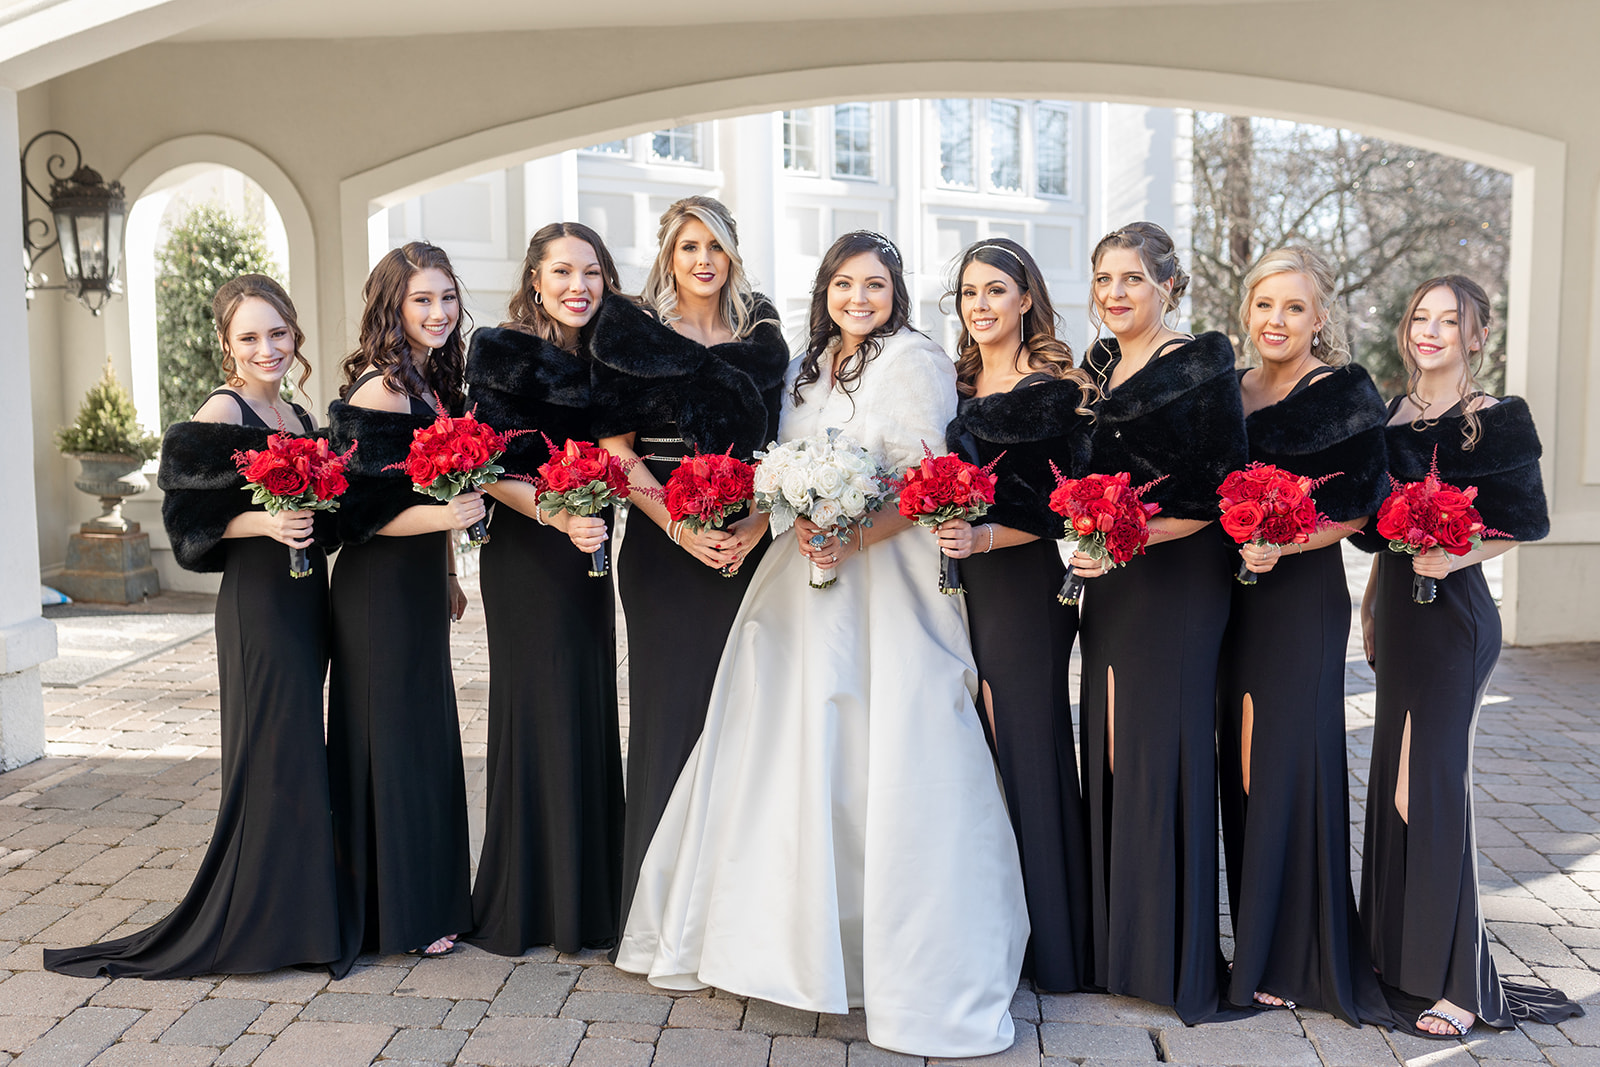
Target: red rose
329,484
1083,526
1242,520
285,481
1125,540
1394,518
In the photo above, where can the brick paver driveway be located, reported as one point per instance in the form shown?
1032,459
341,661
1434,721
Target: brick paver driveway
100,838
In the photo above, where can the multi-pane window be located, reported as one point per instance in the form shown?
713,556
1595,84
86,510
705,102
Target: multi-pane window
1005,146
800,141
680,144
1052,150
955,142
852,140
609,148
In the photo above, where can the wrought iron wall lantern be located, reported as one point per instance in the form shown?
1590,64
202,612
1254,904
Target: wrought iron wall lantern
87,216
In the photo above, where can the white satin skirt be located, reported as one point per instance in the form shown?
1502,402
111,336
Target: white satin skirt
838,838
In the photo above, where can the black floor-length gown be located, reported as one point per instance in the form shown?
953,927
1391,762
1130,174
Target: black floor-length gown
264,895
551,867
1157,624
1296,931
1022,643
394,739
1419,888
675,395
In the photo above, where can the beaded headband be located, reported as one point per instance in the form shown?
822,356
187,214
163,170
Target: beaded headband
1002,248
883,243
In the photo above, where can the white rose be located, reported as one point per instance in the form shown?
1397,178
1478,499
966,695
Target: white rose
854,501
826,513
796,488
767,478
828,481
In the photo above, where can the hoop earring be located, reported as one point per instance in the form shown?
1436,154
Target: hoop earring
537,298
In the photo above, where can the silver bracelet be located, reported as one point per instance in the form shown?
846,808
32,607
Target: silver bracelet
990,527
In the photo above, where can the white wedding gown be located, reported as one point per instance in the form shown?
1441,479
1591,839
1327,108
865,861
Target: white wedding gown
838,838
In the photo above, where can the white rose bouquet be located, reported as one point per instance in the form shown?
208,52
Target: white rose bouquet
828,478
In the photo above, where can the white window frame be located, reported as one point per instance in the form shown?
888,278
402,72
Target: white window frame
972,145
698,132
1065,109
814,125
873,142
1024,168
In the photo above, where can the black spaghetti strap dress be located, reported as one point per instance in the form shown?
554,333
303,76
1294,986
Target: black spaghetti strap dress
676,396
1296,931
394,740
1156,625
1022,643
264,895
550,872
1419,888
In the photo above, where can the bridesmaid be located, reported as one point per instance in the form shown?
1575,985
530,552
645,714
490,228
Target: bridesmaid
394,742
1419,890
1152,632
264,896
1023,401
701,367
1280,729
552,848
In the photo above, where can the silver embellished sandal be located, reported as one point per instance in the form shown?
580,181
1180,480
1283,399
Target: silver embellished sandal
1460,1027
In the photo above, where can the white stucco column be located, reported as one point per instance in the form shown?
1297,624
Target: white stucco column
26,639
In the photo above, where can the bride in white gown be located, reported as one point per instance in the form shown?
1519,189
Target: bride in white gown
838,838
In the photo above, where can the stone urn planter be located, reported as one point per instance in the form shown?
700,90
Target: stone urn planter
111,477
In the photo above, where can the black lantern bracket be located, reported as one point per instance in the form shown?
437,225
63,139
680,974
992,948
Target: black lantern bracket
83,216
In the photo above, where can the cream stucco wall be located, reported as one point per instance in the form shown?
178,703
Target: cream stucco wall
356,123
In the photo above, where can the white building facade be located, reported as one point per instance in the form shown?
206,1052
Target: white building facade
933,175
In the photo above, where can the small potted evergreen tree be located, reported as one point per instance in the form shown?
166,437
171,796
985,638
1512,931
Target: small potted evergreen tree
108,441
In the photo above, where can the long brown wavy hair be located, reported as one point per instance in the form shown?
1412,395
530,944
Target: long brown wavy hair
225,304
823,329
1040,348
383,344
527,314
1473,313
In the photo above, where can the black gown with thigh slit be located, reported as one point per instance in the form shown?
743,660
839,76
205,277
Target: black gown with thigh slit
550,872
394,740
1022,642
676,396
1419,886
1155,625
264,895
1296,932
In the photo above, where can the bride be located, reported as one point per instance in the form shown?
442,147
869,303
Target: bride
838,837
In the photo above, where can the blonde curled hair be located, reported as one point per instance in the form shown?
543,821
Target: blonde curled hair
1334,343
737,300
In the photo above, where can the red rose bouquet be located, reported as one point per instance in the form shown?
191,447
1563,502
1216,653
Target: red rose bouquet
1106,516
1429,514
295,474
582,478
1266,505
939,489
704,491
453,456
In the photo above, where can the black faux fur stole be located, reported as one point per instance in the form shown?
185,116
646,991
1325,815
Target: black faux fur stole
517,381
1179,416
649,375
1504,466
1033,426
203,491
376,496
1332,426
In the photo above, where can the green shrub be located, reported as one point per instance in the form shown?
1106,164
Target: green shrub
208,247
107,423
